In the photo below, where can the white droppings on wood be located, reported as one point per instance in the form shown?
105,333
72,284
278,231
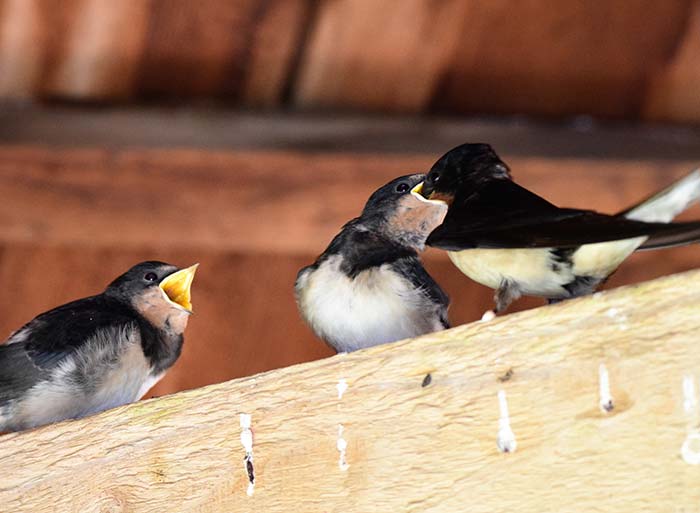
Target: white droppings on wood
619,317
606,401
342,446
404,449
690,451
505,440
247,442
342,387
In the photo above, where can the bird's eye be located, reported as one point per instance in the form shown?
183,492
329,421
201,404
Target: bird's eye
433,177
402,187
150,277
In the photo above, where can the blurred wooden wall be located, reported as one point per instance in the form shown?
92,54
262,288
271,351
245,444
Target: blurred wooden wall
633,59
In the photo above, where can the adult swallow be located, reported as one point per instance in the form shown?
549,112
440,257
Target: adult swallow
98,352
512,240
369,286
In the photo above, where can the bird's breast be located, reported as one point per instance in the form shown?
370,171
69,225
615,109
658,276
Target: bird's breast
537,271
375,307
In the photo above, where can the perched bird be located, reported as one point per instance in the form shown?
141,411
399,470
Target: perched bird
369,286
98,352
508,238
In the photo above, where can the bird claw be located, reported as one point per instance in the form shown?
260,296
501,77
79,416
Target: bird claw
489,315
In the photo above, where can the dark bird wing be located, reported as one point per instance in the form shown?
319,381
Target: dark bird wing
35,350
501,214
414,271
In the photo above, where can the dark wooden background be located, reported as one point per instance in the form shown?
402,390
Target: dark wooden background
626,59
243,134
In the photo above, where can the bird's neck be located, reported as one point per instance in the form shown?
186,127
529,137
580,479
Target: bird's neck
365,249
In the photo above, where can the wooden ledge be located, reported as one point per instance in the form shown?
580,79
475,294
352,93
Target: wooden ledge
409,447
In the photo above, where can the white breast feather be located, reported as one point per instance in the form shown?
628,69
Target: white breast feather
376,307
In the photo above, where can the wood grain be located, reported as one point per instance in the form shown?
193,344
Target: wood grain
410,447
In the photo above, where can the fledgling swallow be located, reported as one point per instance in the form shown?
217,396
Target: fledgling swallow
369,286
98,352
508,238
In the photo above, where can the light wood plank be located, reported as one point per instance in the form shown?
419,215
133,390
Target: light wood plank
409,447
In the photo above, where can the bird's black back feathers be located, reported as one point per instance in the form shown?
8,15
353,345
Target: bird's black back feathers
362,249
489,210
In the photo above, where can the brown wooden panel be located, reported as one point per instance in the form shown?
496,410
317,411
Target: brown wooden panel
622,59
250,201
102,50
192,46
572,57
275,42
674,94
378,55
21,48
208,48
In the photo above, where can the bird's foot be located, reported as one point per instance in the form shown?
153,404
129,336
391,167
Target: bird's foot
489,315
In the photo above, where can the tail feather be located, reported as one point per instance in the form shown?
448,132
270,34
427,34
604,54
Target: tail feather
687,235
663,206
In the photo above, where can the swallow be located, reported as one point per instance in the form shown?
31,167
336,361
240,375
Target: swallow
507,238
98,352
369,287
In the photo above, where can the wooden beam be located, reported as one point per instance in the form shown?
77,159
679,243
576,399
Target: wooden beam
232,130
257,201
413,443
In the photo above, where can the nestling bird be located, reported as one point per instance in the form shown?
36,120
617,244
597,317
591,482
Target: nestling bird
98,352
369,286
508,238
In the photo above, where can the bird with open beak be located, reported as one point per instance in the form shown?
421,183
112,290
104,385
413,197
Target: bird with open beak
369,286
508,238
98,352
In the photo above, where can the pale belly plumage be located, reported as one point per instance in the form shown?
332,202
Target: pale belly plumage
375,307
537,271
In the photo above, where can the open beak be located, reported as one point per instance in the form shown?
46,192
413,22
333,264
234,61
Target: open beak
177,287
417,192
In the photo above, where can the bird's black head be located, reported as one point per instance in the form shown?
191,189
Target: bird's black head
465,165
156,284
395,213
